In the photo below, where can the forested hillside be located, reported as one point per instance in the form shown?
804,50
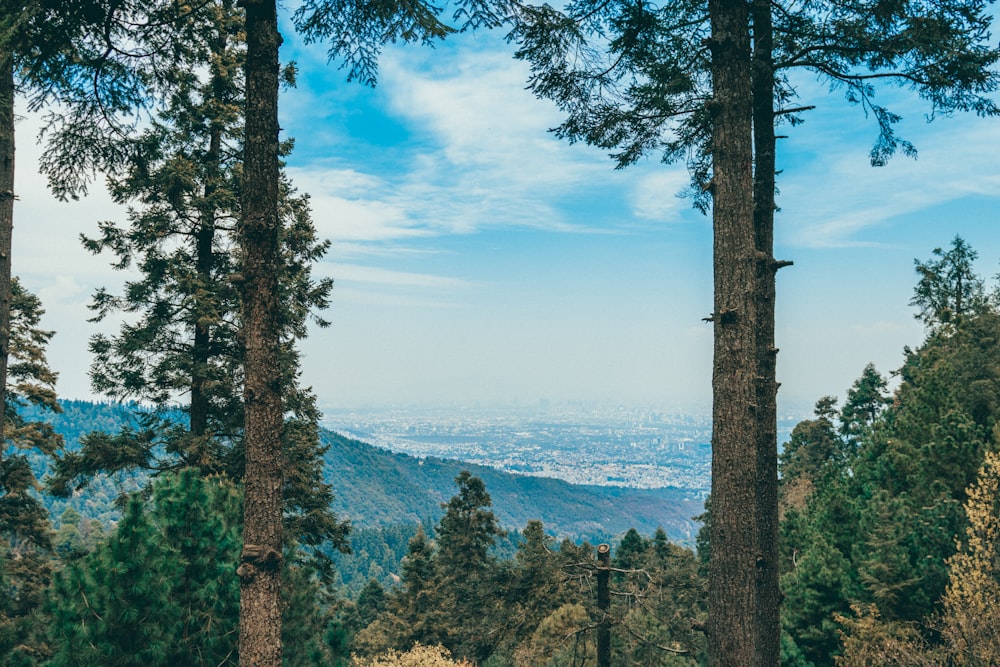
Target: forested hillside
890,525
377,487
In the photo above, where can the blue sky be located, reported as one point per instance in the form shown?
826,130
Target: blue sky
478,259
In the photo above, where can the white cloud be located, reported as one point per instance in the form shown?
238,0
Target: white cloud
835,195
371,274
348,205
655,195
479,154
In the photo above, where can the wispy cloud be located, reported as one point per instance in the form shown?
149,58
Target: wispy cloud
369,274
656,196
478,155
352,206
835,195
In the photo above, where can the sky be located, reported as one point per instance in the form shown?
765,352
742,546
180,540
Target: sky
480,261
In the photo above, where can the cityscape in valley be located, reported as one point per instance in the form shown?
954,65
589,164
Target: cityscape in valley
582,444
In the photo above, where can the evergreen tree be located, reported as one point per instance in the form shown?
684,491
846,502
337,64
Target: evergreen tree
660,604
416,599
538,586
688,82
356,32
161,590
465,570
258,229
866,399
114,608
948,288
813,447
29,40
877,534
25,530
454,591
183,183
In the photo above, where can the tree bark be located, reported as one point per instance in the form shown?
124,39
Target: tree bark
767,612
6,225
735,584
260,567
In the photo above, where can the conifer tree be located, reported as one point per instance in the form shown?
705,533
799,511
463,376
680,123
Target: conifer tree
183,187
538,586
114,607
878,535
866,399
465,570
948,289
165,578
356,34
25,530
708,84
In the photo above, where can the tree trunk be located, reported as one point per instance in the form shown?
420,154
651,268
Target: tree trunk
260,567
767,613
736,554
205,262
6,225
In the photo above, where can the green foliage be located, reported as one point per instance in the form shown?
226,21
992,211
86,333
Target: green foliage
25,529
633,77
357,32
948,288
114,608
182,333
101,67
538,608
876,527
162,589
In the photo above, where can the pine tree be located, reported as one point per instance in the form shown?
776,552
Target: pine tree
416,600
356,32
866,399
114,607
183,185
878,532
465,570
25,529
948,288
160,591
538,586
709,86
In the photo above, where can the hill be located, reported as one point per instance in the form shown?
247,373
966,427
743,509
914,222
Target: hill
376,487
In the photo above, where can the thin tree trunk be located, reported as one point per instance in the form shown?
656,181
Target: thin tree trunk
733,569
6,225
205,262
767,613
260,567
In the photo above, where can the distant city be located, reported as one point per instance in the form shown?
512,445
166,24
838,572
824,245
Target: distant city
616,446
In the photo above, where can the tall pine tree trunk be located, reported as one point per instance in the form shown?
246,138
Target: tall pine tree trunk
260,567
734,568
6,224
